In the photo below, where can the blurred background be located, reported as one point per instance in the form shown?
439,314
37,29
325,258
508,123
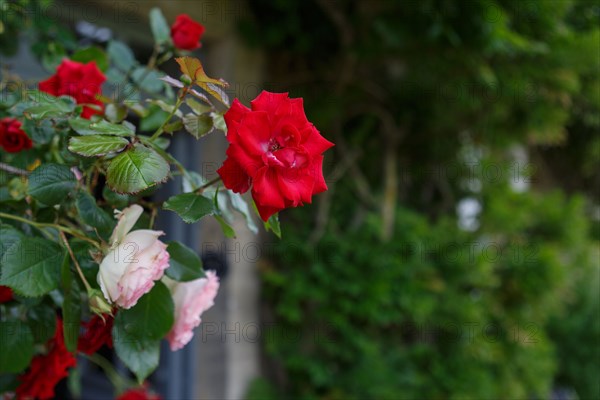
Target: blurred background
456,254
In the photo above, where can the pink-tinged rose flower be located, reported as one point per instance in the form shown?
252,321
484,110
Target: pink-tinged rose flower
191,299
274,149
83,82
136,259
186,33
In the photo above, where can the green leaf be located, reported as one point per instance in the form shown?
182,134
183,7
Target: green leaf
42,321
219,122
190,207
51,183
152,316
160,28
60,108
239,204
136,169
198,107
115,199
93,215
141,356
148,79
10,237
71,306
86,127
32,267
198,125
121,55
16,342
96,145
227,229
184,263
115,113
41,132
92,53
272,225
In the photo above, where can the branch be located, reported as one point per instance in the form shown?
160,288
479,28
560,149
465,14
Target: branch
13,170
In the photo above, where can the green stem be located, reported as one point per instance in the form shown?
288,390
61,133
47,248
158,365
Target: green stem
72,232
113,376
74,259
207,184
161,128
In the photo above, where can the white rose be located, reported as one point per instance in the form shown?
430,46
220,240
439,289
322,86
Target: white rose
135,261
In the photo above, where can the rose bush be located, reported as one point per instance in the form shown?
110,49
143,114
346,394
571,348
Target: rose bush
73,279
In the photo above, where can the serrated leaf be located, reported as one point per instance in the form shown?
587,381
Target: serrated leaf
86,127
32,267
96,145
190,207
94,216
121,55
51,183
172,81
193,68
184,263
60,108
136,169
198,107
16,342
141,356
160,28
198,125
115,113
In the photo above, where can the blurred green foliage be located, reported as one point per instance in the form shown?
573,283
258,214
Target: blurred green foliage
431,103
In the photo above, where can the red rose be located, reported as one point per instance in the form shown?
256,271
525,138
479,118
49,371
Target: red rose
81,81
274,149
186,33
6,294
139,394
97,334
12,138
47,370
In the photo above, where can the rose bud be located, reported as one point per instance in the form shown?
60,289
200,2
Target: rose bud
135,260
186,33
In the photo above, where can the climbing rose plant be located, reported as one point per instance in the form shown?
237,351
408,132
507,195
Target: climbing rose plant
80,261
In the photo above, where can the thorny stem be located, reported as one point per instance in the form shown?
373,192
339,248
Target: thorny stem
60,228
77,266
13,170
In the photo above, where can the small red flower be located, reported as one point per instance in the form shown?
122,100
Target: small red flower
81,81
139,394
97,334
274,149
12,138
47,370
186,33
6,294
